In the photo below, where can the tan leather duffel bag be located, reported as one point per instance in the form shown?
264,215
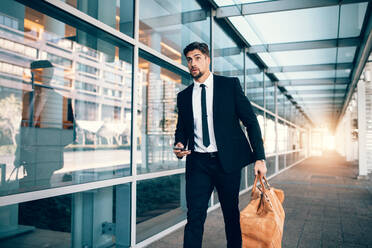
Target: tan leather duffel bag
262,220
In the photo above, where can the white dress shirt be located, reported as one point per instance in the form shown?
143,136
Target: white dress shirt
196,106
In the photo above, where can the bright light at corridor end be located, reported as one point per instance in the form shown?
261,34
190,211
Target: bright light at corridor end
321,140
329,142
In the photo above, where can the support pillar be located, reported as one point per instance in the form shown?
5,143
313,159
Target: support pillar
362,132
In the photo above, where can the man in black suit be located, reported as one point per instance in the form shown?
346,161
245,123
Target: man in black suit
208,124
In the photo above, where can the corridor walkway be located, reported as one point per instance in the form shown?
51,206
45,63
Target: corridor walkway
326,206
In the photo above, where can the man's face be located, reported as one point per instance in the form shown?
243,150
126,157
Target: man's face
198,63
43,75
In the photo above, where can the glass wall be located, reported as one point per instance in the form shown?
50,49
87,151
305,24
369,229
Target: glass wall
254,83
161,204
69,172
117,14
269,95
157,117
270,134
68,103
94,218
169,26
228,58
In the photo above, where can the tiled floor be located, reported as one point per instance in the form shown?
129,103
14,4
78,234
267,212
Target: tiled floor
326,206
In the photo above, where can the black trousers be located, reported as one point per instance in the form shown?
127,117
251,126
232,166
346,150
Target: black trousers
203,173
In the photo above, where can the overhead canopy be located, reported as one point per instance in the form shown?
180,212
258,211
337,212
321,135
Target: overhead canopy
314,49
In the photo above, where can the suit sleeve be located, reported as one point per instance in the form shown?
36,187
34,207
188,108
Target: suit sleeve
180,135
249,119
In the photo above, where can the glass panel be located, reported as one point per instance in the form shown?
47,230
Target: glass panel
169,26
291,140
304,57
269,95
296,25
161,203
343,73
260,118
270,134
312,74
85,219
68,102
281,100
254,83
268,59
345,54
118,14
157,117
270,164
282,136
281,161
250,173
261,122
232,2
246,30
352,17
288,110
228,59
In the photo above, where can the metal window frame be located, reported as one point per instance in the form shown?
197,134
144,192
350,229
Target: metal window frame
304,45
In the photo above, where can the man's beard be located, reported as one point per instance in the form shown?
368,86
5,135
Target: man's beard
197,76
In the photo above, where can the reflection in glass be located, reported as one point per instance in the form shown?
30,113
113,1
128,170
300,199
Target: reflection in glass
95,218
161,203
169,26
65,101
118,14
157,117
47,126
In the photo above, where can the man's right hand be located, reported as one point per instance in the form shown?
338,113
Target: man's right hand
180,153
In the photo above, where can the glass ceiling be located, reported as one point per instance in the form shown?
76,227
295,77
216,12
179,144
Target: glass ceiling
309,57
309,26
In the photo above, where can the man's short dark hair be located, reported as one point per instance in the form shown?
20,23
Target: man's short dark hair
203,47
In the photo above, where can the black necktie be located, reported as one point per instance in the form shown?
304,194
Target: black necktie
206,141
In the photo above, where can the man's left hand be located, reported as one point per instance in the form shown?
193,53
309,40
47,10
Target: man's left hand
260,166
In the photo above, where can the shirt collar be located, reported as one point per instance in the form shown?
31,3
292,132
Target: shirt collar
208,82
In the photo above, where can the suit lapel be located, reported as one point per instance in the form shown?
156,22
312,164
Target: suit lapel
216,92
189,108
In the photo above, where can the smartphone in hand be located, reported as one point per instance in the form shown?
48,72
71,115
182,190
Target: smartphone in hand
179,148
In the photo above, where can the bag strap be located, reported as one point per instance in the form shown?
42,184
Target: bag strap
267,182
257,177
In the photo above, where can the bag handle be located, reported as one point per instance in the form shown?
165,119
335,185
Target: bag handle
257,177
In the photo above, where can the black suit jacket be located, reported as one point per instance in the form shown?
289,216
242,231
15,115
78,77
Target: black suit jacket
229,106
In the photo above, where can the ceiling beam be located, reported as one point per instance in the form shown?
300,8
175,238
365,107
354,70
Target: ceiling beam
228,51
319,67
319,97
292,68
314,81
304,45
321,92
174,19
276,6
